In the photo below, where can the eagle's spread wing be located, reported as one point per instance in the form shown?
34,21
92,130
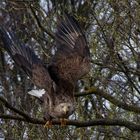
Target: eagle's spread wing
26,59
72,59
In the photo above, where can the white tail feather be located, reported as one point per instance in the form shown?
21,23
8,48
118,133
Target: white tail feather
37,93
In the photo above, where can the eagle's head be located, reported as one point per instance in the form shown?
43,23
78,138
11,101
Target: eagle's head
64,110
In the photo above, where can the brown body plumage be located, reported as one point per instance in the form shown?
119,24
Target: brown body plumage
70,62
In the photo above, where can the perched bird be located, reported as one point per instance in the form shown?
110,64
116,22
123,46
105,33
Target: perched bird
57,80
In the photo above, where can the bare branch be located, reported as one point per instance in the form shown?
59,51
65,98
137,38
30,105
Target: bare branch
110,98
14,109
31,120
103,122
88,92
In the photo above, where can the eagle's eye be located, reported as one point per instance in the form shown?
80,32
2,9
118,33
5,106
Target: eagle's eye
66,107
62,106
69,107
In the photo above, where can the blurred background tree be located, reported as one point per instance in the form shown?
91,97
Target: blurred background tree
110,103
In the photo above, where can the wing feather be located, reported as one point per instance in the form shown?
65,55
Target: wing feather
72,58
26,59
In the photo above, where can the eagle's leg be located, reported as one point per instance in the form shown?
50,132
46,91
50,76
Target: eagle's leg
48,120
63,122
48,124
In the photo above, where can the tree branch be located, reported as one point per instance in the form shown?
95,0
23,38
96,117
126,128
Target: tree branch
103,122
39,23
93,90
31,120
110,98
109,122
106,122
14,109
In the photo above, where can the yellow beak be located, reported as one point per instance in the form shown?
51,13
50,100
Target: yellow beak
65,109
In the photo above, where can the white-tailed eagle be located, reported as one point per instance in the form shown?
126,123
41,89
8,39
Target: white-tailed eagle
57,80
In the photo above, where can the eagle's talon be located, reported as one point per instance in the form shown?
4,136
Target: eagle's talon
48,124
63,122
